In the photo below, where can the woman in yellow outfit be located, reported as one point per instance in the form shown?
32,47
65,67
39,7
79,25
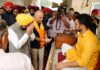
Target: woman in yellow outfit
85,52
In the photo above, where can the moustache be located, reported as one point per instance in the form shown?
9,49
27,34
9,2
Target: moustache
78,30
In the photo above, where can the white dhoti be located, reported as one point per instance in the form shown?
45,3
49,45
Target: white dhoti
74,68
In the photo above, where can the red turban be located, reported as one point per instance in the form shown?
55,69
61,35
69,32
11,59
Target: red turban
46,10
10,4
95,11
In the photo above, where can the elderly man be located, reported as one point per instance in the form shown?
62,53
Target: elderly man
11,61
85,52
38,44
20,34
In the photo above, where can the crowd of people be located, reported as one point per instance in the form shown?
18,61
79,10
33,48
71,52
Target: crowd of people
27,33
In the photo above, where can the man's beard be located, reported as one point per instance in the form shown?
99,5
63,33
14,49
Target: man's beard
32,14
78,30
23,28
8,12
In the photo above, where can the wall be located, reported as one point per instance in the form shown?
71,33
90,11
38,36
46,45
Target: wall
80,5
18,2
21,2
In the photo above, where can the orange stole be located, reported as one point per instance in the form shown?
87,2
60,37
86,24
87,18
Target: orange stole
41,32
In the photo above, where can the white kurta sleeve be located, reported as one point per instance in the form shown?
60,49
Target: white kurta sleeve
48,23
13,38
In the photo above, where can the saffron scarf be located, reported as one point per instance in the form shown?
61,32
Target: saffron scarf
41,32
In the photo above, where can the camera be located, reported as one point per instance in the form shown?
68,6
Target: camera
58,16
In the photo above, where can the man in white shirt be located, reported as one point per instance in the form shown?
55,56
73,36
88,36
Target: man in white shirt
57,24
11,61
70,16
20,34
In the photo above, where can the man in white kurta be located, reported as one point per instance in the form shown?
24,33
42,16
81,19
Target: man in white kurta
11,61
14,61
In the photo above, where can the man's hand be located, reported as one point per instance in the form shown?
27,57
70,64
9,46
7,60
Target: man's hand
47,40
30,29
65,22
52,20
60,65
